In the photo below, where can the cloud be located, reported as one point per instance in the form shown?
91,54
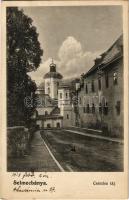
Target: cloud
72,60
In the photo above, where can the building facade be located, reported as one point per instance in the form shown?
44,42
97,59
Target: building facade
100,95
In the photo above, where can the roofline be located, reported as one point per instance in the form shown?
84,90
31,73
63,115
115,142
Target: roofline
42,117
99,65
103,66
64,87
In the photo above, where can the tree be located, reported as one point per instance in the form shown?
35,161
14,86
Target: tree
23,56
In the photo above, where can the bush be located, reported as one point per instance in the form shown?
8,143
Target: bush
17,141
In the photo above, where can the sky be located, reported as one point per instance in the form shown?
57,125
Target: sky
74,36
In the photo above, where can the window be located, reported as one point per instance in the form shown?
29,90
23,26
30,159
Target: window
66,95
80,100
115,78
67,116
48,90
100,108
84,109
46,112
86,88
106,81
99,83
93,108
92,86
105,109
57,83
118,107
88,108
60,95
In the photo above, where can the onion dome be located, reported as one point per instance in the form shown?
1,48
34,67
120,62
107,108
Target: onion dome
53,73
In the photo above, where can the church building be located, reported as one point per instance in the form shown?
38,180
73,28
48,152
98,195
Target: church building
54,108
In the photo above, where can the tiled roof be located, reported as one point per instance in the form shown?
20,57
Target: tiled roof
47,101
53,75
55,111
112,54
43,117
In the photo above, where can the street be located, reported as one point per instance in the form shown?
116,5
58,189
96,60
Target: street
79,153
62,150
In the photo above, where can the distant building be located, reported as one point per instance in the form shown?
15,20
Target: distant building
54,100
65,104
100,95
52,81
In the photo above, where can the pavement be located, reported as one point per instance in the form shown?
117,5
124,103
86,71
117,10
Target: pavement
39,158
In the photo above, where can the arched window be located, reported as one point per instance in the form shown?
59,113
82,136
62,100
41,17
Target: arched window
93,108
105,109
58,125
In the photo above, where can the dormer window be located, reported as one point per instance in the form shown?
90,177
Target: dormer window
115,78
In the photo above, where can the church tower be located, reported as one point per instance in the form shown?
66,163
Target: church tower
52,80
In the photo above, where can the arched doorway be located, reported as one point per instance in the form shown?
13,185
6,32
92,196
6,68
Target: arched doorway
58,125
48,125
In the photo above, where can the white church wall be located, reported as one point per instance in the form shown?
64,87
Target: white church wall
51,87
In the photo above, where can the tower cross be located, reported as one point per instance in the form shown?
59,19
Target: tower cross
52,61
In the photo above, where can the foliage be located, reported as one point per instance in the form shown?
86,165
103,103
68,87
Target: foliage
23,56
